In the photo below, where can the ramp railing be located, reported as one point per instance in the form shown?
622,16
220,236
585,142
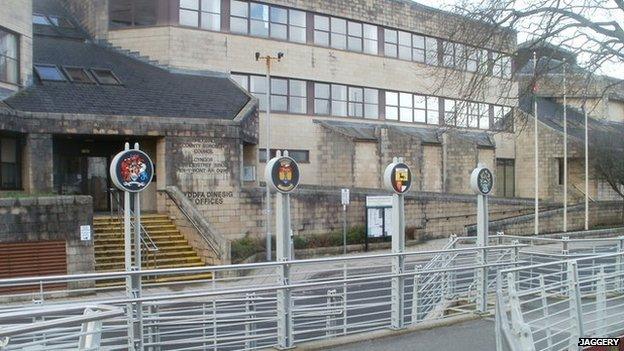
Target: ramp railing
550,306
240,307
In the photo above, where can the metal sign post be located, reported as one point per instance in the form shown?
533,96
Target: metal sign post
345,201
482,183
282,172
132,171
398,179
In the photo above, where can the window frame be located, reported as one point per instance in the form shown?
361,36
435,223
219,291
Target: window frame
133,17
273,152
16,60
17,164
97,78
60,71
271,22
84,70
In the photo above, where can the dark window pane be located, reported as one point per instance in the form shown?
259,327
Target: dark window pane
120,12
49,73
145,12
78,75
104,76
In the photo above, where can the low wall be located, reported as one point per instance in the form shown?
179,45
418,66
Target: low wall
33,219
317,210
602,213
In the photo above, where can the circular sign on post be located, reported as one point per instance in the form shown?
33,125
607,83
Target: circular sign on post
398,177
482,180
282,173
131,170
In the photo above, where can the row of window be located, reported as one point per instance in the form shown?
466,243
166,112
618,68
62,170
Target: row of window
270,21
9,61
298,96
301,156
76,75
10,165
49,20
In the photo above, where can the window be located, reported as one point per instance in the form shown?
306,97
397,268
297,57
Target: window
301,156
242,80
286,94
370,39
279,23
405,107
418,48
505,176
321,30
10,168
501,65
390,43
560,173
297,26
105,76
78,75
338,35
448,54
405,45
356,102
259,19
354,41
41,20
431,51
392,105
371,103
502,119
461,113
9,62
239,12
201,13
484,116
49,72
338,100
472,59
433,108
125,13
321,99
61,22
449,112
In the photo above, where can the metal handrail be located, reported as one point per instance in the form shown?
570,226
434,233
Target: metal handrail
189,218
146,240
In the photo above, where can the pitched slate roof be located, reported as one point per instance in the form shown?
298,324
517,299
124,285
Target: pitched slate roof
550,113
146,90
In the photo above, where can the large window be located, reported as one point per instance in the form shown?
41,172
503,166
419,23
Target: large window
342,34
205,14
501,65
125,13
9,61
287,95
505,175
502,118
406,107
267,21
342,100
10,168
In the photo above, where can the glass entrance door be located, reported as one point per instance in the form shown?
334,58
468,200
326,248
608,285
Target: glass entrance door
85,175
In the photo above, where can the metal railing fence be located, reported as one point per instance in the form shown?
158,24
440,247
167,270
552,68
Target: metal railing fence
254,306
549,306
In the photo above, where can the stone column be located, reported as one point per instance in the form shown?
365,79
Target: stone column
37,163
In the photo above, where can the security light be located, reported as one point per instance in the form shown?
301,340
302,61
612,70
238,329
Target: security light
257,56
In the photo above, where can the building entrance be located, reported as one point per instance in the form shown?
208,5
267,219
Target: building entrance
81,168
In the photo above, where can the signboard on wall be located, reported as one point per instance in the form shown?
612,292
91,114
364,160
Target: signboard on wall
283,174
378,216
131,170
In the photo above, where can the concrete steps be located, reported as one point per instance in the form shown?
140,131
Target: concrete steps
173,249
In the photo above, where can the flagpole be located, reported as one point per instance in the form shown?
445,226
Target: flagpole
565,151
535,145
586,169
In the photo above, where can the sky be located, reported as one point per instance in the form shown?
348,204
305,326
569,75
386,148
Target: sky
613,69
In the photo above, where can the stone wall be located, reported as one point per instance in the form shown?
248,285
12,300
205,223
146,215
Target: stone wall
604,213
317,210
34,219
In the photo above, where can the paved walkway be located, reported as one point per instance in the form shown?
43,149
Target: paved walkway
476,335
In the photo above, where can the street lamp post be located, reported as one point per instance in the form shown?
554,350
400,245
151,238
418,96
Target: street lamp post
268,59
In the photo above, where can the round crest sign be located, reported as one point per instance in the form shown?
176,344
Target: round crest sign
398,177
283,174
131,170
482,180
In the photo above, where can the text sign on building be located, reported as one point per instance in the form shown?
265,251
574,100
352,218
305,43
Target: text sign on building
482,180
85,232
398,177
379,201
283,174
344,199
131,170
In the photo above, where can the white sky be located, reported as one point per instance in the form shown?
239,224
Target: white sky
614,69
